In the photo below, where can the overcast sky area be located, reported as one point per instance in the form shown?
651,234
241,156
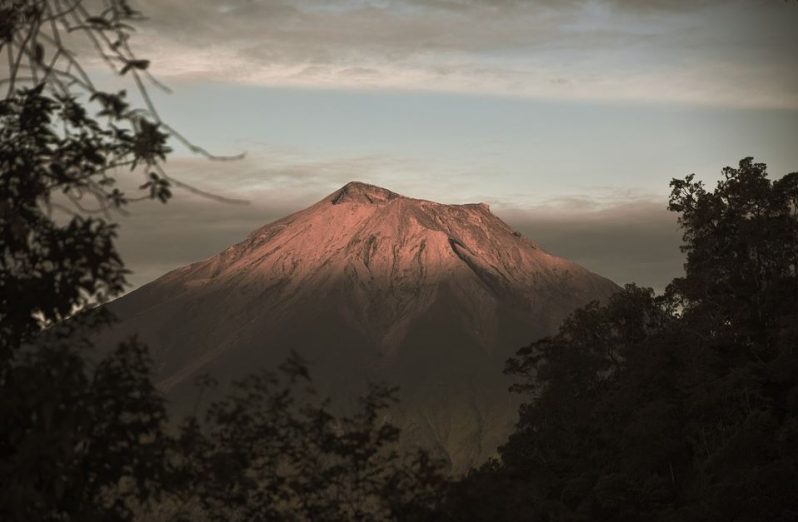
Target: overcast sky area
567,117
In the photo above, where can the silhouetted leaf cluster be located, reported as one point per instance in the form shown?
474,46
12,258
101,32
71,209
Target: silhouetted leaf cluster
79,442
82,430
272,450
679,407
55,157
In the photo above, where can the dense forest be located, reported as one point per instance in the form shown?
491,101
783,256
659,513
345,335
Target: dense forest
680,406
673,407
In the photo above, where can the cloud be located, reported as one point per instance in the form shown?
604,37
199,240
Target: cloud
627,241
623,234
707,52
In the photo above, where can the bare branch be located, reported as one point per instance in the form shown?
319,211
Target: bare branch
199,192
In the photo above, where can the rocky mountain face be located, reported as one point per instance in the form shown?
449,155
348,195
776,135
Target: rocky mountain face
369,285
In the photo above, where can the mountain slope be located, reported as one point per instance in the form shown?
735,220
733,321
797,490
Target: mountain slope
368,284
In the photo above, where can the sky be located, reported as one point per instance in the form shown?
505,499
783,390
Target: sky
568,117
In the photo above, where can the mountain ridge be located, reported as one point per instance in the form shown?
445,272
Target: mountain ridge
369,284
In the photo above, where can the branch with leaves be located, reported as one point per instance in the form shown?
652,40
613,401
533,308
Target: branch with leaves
40,40
65,145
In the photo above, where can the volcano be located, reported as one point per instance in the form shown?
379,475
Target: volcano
367,284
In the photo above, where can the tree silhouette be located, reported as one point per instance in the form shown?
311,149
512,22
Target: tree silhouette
84,431
678,407
82,438
273,450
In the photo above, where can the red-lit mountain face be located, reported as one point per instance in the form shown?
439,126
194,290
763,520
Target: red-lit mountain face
370,285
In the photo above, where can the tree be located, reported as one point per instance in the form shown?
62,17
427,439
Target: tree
84,433
273,450
677,407
65,144
80,443
81,438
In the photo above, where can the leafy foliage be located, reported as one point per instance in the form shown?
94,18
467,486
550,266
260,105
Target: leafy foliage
678,407
79,443
273,451
53,152
84,433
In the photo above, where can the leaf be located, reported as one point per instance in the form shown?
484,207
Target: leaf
98,21
135,64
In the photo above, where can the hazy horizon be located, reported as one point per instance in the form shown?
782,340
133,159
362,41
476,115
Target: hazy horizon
568,118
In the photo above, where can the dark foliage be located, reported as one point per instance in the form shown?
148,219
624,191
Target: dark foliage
679,407
51,152
80,440
84,432
82,427
79,443
64,144
273,451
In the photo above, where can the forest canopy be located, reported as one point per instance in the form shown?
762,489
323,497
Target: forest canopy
681,406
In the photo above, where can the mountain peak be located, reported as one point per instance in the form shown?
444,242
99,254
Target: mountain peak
370,286
359,192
